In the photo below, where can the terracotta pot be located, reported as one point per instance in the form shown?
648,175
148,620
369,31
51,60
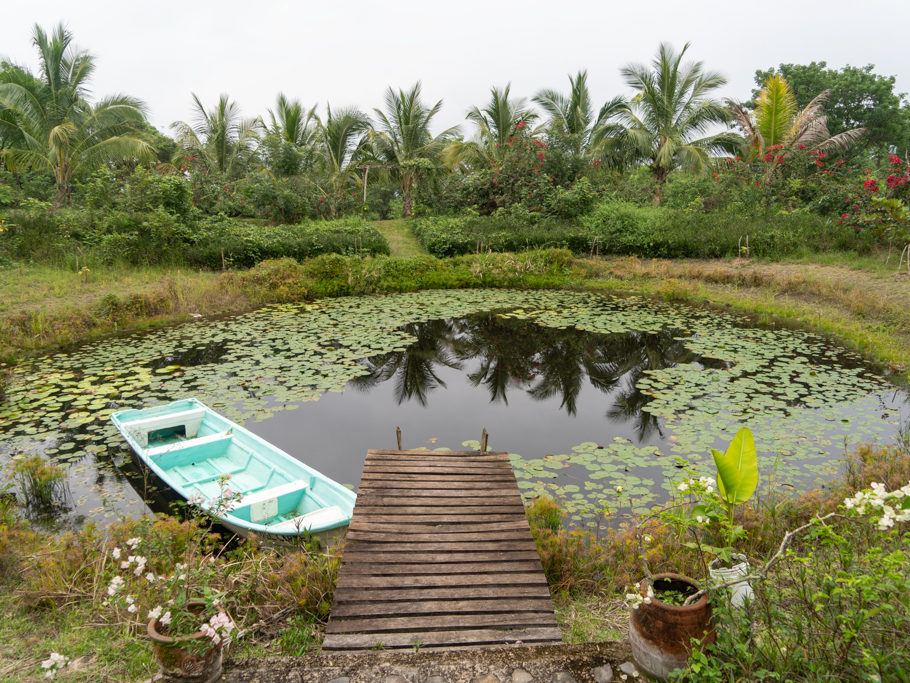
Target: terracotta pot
661,633
192,658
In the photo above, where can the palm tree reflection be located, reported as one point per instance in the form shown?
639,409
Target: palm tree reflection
413,368
543,362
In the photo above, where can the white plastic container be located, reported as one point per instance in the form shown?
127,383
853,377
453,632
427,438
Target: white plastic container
740,592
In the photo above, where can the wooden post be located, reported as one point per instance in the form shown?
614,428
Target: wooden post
483,441
398,436
366,172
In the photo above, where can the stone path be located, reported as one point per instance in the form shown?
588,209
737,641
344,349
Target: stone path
587,663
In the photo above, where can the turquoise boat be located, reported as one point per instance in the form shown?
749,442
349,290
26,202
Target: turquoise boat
191,447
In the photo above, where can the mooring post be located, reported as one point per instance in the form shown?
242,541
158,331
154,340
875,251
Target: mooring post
483,441
398,436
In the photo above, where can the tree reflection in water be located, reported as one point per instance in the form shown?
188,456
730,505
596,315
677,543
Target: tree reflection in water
507,354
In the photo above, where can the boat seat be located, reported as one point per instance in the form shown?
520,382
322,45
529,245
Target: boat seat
188,443
190,419
264,504
326,517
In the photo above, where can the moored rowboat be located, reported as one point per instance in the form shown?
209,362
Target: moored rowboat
191,447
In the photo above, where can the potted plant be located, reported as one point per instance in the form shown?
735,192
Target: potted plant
671,610
188,619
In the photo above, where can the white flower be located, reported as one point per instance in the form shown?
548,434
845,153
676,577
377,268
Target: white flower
150,577
133,542
155,613
132,609
165,618
701,520
116,553
115,585
683,486
646,539
129,600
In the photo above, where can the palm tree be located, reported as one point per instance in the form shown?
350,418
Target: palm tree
572,120
341,142
48,125
778,121
667,123
220,139
403,139
290,138
496,123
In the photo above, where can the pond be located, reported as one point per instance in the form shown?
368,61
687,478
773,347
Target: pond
587,392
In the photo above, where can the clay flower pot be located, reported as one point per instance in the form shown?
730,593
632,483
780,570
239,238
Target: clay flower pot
192,658
661,633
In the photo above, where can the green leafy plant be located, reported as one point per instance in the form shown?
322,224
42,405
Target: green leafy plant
737,470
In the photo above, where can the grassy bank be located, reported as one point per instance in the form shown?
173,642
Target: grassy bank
862,305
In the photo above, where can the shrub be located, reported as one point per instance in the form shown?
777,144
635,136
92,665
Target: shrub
234,243
513,230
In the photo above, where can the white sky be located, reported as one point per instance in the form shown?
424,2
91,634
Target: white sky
349,52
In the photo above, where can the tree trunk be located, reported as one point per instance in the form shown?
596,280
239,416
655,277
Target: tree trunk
660,176
407,196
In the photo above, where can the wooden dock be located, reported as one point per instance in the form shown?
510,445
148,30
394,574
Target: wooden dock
439,555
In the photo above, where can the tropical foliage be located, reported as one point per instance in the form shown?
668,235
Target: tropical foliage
403,140
668,123
47,124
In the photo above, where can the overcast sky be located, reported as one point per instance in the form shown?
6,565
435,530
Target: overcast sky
349,52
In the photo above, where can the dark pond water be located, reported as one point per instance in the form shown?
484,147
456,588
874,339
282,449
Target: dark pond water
588,393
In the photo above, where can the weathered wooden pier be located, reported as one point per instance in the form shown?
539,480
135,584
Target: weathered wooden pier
439,555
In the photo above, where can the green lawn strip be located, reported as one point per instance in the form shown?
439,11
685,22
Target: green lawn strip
401,239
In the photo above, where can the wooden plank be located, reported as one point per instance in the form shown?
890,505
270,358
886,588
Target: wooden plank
392,595
405,546
346,580
440,622
488,606
478,471
372,499
409,490
444,463
441,518
380,535
437,639
368,509
427,568
467,556
435,527
448,479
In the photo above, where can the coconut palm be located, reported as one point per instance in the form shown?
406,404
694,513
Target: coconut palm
403,140
341,143
777,120
221,140
48,124
290,137
572,120
667,123
496,123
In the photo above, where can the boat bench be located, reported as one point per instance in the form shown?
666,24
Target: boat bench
330,517
264,506
189,419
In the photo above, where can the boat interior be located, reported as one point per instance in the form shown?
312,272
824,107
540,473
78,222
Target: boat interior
195,448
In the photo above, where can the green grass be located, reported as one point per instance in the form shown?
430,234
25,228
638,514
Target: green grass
401,239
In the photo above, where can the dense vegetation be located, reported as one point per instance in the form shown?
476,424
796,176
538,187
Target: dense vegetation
670,171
